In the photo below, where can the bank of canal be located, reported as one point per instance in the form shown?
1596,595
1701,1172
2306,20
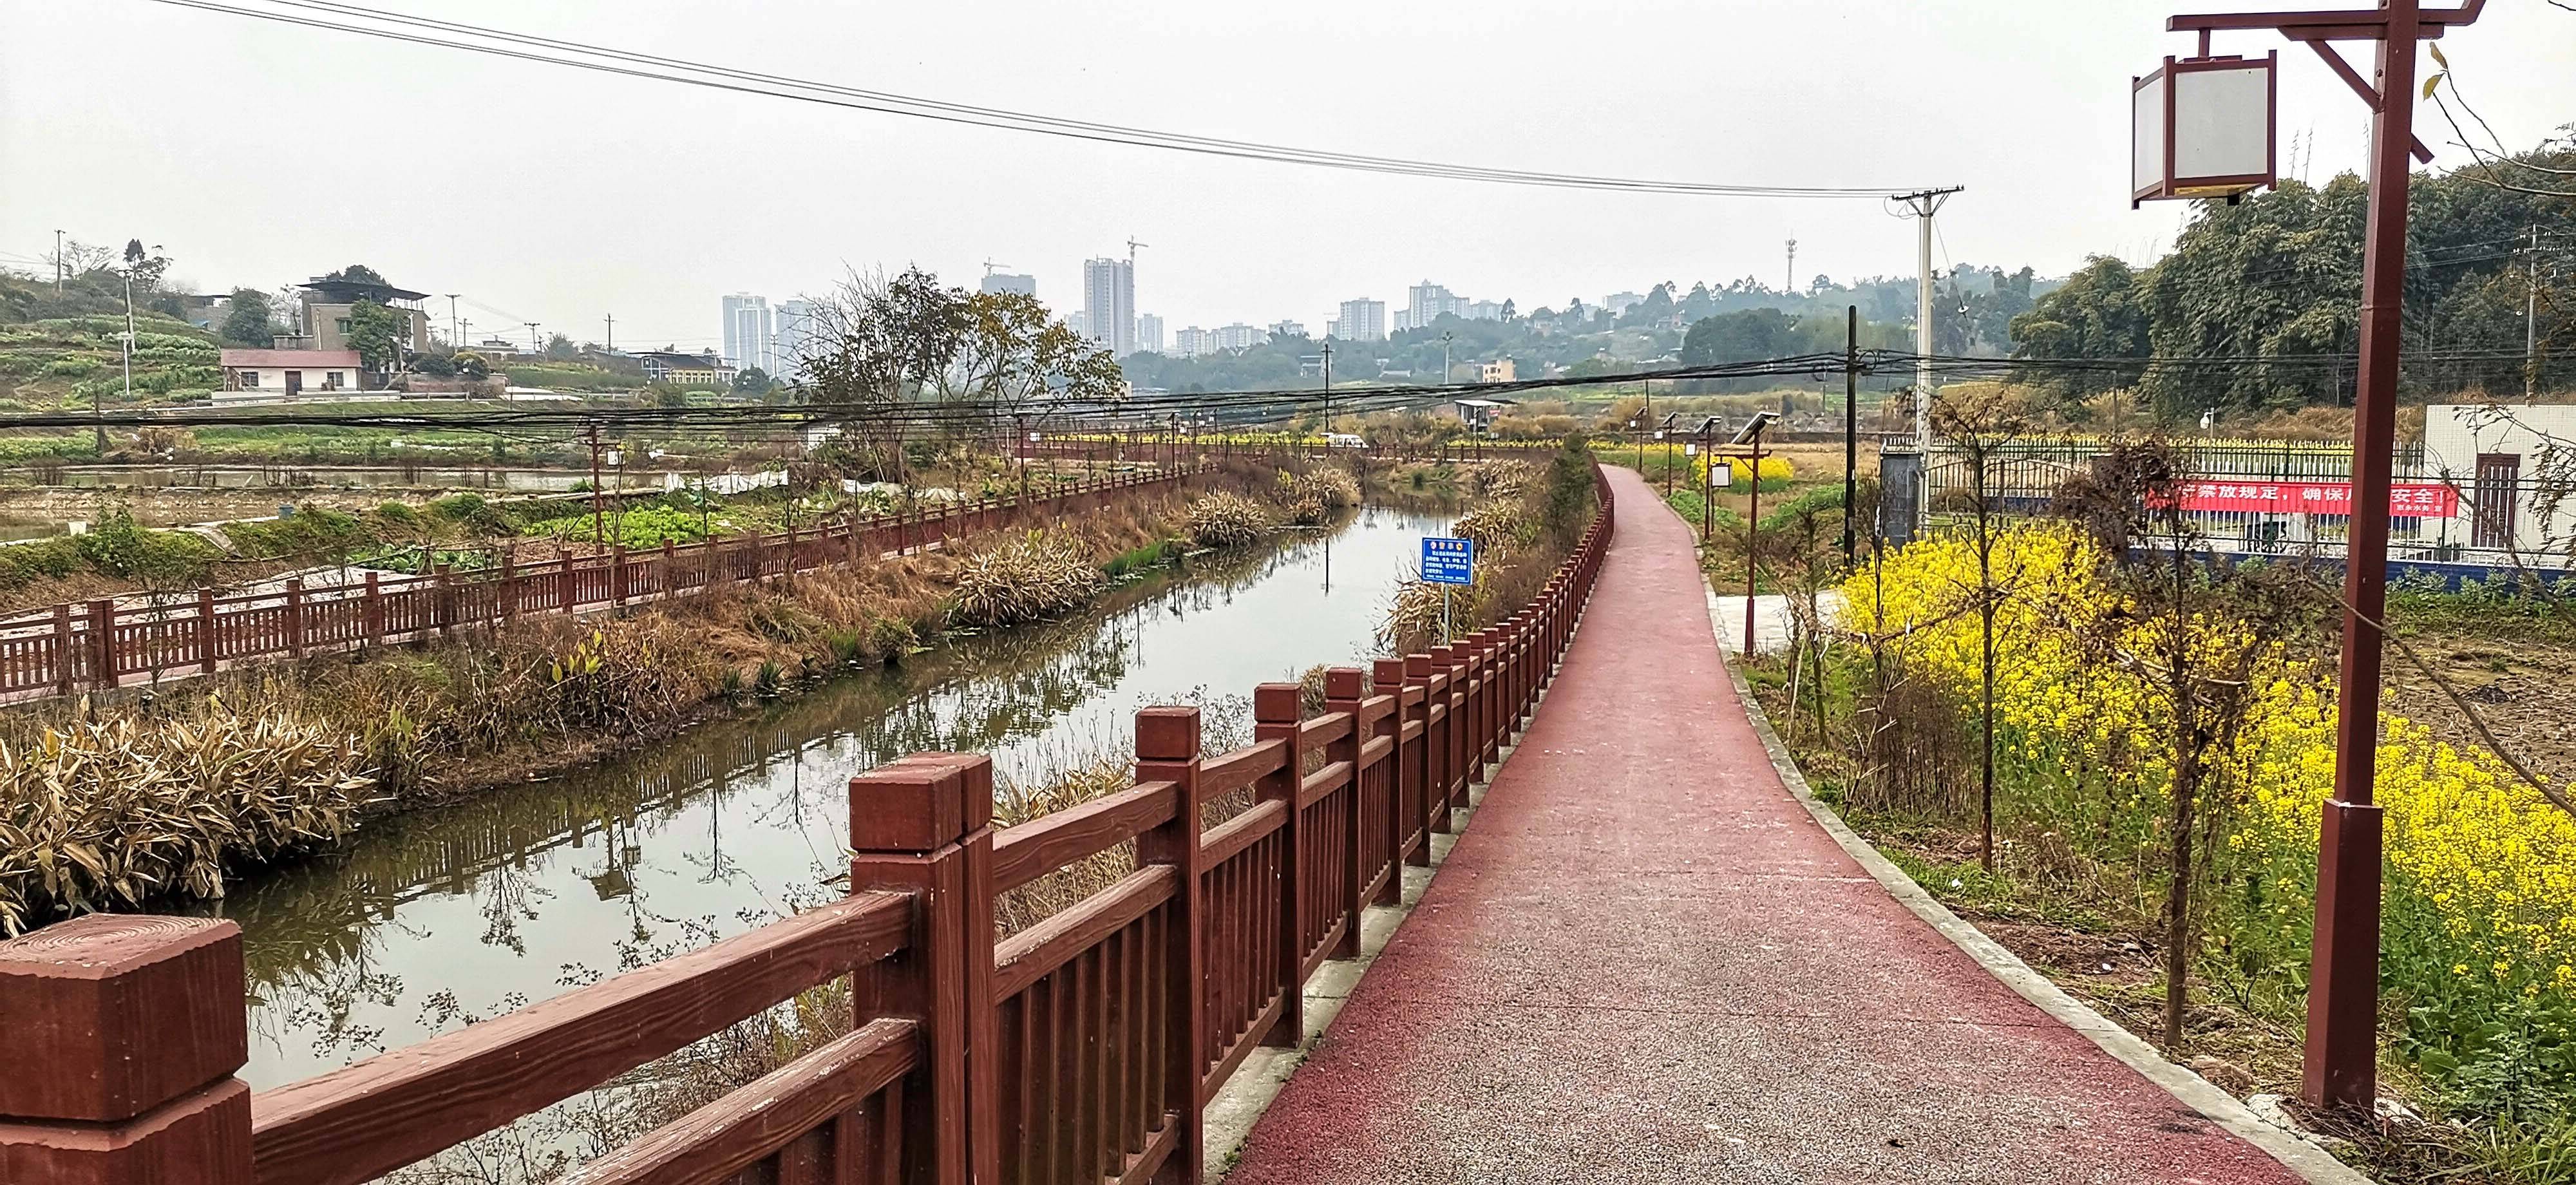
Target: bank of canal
428,920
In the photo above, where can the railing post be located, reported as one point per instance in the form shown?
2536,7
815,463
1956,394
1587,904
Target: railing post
666,574
294,617
1438,761
923,826
617,575
1342,692
566,587
206,629
126,1032
371,612
1387,679
759,558
443,602
1462,719
791,549
102,638
66,658
1167,749
1274,718
1418,760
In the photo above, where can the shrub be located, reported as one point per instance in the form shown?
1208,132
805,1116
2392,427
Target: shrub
1226,520
1029,578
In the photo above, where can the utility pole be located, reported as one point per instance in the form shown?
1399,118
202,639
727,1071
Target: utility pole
60,266
98,406
1924,203
1447,339
533,347
611,345
1851,425
1328,391
598,518
2530,321
455,328
1791,285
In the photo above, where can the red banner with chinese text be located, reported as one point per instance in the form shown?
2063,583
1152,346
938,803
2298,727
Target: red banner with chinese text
2405,499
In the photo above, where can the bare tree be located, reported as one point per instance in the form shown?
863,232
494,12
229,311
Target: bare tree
1980,422
2195,631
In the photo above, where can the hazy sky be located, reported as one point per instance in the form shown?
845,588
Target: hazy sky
260,154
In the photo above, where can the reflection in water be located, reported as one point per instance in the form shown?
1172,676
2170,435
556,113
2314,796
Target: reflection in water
437,918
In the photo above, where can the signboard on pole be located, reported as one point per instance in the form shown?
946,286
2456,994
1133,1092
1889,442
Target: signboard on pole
1448,561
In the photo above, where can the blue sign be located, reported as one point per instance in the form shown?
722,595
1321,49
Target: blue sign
1448,561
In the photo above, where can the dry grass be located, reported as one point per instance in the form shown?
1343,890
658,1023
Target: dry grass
1226,520
1030,578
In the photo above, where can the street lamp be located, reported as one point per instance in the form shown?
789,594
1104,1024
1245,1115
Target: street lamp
2194,135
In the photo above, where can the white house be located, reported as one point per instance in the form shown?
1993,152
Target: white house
285,374
2515,468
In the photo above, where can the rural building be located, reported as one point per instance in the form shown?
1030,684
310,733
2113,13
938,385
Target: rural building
2514,467
285,374
686,370
1501,370
327,302
1478,413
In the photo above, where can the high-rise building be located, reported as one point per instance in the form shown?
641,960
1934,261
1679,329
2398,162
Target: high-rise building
1237,336
1109,303
1426,302
1008,282
1149,333
747,332
1484,310
794,340
1620,302
1192,342
1362,320
1287,329
1080,322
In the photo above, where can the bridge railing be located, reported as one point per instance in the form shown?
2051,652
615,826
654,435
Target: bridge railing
102,643
1084,1047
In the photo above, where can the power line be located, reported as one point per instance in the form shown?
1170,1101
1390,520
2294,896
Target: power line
633,64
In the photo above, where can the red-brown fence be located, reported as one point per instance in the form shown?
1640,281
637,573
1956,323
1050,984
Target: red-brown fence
105,644
1083,1048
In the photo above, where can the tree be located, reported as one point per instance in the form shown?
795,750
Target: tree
357,273
1017,360
879,345
2094,314
147,267
246,318
752,381
560,348
1979,422
2204,637
375,333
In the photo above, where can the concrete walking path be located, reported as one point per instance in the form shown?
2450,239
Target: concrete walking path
1645,962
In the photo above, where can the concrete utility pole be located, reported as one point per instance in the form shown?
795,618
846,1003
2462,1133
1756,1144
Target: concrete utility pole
2530,321
59,265
533,346
1924,203
1328,390
455,328
1791,284
1447,339
611,345
1851,424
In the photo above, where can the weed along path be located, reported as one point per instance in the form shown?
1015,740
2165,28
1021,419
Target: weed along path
427,921
1645,962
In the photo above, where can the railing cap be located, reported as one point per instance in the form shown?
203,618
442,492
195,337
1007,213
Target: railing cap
1167,733
921,803
112,1015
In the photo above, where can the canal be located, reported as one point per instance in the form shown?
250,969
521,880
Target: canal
430,920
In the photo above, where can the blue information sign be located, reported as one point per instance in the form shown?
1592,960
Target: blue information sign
1448,561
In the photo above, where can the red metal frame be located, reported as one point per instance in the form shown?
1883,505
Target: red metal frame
2231,185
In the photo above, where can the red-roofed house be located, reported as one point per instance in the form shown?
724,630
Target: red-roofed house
282,374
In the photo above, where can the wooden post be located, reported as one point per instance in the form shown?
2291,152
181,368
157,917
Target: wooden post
1274,718
1387,676
1418,761
443,600
1461,738
791,548
759,557
617,575
1342,691
126,1032
206,649
66,658
1167,749
294,617
1441,761
372,611
851,523
923,826
567,587
102,641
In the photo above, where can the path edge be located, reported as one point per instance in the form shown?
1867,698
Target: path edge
2311,1163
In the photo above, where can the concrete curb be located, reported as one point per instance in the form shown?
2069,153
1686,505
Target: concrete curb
2295,1153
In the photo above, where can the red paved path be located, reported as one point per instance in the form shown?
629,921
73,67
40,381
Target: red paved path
1646,963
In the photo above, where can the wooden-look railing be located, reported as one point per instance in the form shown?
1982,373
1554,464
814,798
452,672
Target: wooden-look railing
102,644
1083,1048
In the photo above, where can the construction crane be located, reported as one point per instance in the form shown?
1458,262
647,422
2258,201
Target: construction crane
990,267
1132,244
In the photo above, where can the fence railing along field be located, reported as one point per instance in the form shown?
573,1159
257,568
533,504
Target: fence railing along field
1083,1048
104,643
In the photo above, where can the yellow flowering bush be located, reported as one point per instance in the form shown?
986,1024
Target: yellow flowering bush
2480,884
